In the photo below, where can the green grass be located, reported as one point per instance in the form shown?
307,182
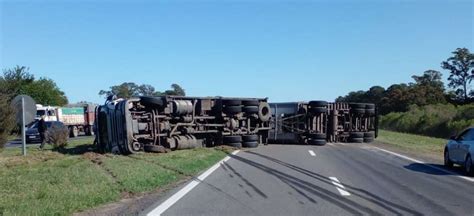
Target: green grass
76,179
411,142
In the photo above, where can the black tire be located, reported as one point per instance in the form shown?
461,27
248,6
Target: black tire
232,109
370,106
152,100
319,142
358,111
235,145
357,105
89,130
154,148
251,103
356,140
318,104
468,169
356,134
73,132
250,144
370,134
317,136
447,162
368,139
264,112
250,138
232,139
370,112
317,110
232,102
250,109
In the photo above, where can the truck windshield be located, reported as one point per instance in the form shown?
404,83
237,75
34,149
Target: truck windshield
40,113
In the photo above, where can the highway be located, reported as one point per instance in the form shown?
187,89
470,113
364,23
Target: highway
336,179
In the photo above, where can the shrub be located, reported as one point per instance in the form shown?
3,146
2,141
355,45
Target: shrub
58,136
439,120
6,119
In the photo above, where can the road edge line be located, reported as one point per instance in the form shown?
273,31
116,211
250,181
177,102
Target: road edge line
186,189
423,163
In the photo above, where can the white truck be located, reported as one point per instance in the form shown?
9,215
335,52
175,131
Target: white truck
77,119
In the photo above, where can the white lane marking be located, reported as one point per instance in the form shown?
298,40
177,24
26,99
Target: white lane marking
311,152
339,186
421,162
181,193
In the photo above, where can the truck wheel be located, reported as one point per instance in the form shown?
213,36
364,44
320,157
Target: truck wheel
357,105
253,144
250,138
317,136
73,131
370,134
318,104
316,110
232,139
358,111
88,130
232,102
319,142
235,145
251,103
356,140
356,134
154,148
232,109
370,106
368,139
370,112
264,112
152,100
250,109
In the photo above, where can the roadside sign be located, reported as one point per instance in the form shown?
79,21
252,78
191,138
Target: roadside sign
25,108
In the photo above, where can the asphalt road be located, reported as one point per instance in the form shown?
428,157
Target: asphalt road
17,142
336,179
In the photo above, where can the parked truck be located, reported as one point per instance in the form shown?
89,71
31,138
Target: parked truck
318,122
77,119
159,124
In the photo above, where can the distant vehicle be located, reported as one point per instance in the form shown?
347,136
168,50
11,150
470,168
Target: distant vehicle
32,134
460,150
77,119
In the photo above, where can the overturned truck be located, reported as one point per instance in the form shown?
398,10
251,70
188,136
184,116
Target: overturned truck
318,122
158,124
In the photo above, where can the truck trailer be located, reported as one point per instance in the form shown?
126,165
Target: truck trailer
159,124
318,122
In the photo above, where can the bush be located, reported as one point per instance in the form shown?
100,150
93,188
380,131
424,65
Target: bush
440,120
58,136
6,119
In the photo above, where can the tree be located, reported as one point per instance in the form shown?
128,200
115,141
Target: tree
461,72
131,89
427,89
18,80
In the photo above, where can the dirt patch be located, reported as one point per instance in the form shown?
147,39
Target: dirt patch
96,159
30,159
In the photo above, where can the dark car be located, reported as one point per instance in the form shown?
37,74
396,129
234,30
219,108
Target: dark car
32,134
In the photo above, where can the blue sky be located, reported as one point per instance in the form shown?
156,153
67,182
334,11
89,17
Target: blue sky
287,51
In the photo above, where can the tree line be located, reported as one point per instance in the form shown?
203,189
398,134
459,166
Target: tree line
425,89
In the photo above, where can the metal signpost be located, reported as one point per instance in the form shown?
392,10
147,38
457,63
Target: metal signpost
25,108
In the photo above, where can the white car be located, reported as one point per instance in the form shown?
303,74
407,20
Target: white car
460,150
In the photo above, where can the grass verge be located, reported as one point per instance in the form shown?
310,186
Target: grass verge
76,179
412,143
